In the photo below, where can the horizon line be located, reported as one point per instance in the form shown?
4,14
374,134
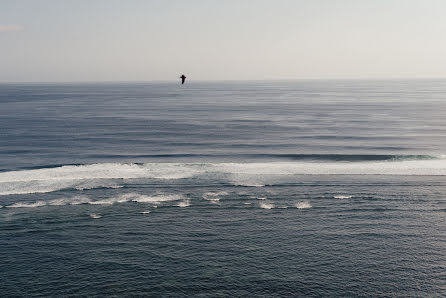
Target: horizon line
190,81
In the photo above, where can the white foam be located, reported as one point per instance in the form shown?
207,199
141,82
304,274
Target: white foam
100,171
28,205
110,201
261,174
144,212
247,184
303,205
135,197
342,197
94,184
185,203
95,216
266,205
214,201
243,174
156,199
261,198
214,196
87,176
77,200
247,203
57,202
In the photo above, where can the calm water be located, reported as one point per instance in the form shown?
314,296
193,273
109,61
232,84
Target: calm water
310,188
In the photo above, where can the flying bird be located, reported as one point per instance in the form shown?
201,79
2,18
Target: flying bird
183,78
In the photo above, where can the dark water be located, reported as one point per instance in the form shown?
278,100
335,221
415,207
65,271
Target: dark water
270,189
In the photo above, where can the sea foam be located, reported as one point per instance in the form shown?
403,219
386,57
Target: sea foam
303,205
124,198
135,197
214,197
27,205
86,177
185,203
111,175
264,205
342,197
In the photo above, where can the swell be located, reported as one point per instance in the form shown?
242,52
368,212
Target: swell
262,156
255,157
346,157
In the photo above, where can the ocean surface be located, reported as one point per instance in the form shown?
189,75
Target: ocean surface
223,189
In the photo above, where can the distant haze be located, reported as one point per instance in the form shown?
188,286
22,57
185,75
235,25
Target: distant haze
138,40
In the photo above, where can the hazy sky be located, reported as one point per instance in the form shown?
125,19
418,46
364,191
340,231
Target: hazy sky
125,40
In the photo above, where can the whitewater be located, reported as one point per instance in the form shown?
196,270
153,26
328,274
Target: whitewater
112,174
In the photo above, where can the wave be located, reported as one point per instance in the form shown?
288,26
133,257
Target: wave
266,205
342,197
262,156
343,157
303,205
28,205
82,177
185,203
114,175
138,198
214,197
124,198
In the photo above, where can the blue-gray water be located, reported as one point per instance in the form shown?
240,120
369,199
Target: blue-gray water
270,189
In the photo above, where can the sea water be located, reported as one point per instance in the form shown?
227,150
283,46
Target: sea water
212,189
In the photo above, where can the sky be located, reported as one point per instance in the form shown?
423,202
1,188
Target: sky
144,40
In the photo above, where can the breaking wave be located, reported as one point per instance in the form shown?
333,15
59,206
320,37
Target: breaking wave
288,157
28,205
135,197
303,205
264,205
185,203
82,177
342,197
115,175
214,197
124,198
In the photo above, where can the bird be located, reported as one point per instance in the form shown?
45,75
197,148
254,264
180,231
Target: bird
183,78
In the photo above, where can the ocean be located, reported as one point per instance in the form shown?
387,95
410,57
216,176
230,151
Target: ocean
223,189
